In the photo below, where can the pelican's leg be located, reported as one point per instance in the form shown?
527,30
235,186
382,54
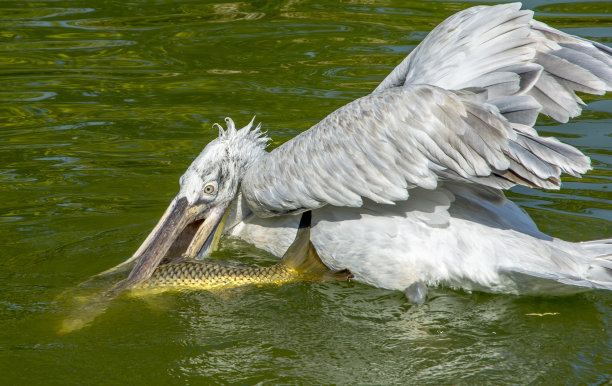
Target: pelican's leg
416,293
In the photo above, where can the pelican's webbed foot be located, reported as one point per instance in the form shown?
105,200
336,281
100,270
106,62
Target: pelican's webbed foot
416,293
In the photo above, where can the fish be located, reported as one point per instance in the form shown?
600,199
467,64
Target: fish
300,263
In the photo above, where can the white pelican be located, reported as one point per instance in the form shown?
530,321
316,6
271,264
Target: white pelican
405,184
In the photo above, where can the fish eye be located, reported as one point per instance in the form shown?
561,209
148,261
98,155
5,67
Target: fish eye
210,188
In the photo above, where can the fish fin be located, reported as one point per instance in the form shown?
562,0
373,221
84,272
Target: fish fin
303,257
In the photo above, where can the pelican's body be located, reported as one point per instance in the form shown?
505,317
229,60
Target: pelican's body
476,245
405,184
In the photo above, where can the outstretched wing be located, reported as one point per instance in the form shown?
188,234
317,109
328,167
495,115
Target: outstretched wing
460,107
380,146
502,49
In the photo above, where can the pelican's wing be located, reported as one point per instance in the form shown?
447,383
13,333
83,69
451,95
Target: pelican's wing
494,46
460,107
381,145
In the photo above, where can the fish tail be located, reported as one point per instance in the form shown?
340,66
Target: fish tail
302,256
95,306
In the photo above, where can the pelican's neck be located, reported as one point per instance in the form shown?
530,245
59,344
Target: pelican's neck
239,212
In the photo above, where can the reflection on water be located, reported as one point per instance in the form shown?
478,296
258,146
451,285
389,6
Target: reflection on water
352,333
102,107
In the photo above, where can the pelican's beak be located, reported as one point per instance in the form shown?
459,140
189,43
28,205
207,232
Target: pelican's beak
185,229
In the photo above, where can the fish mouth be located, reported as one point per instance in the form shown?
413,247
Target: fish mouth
184,230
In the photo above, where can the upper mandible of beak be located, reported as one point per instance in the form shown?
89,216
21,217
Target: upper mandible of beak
168,229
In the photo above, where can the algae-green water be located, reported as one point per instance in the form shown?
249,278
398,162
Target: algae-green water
103,104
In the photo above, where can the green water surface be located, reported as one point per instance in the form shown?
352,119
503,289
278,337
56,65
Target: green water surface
103,104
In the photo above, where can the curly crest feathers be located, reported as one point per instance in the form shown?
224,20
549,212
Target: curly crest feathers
247,133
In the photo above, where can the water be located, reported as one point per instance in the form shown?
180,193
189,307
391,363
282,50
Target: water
104,104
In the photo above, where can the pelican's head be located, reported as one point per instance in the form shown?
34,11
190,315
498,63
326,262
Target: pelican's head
192,224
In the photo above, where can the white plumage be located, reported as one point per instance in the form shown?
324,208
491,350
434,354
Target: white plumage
406,183
460,107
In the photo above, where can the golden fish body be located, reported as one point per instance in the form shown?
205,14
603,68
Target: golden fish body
300,262
197,275
190,274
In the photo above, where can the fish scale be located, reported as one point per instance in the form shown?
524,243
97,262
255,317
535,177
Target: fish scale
207,274
300,262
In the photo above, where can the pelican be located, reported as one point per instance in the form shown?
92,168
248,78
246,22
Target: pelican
406,184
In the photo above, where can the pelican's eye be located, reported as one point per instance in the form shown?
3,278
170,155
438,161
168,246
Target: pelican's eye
210,189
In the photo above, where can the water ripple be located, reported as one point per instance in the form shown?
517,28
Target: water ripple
103,106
